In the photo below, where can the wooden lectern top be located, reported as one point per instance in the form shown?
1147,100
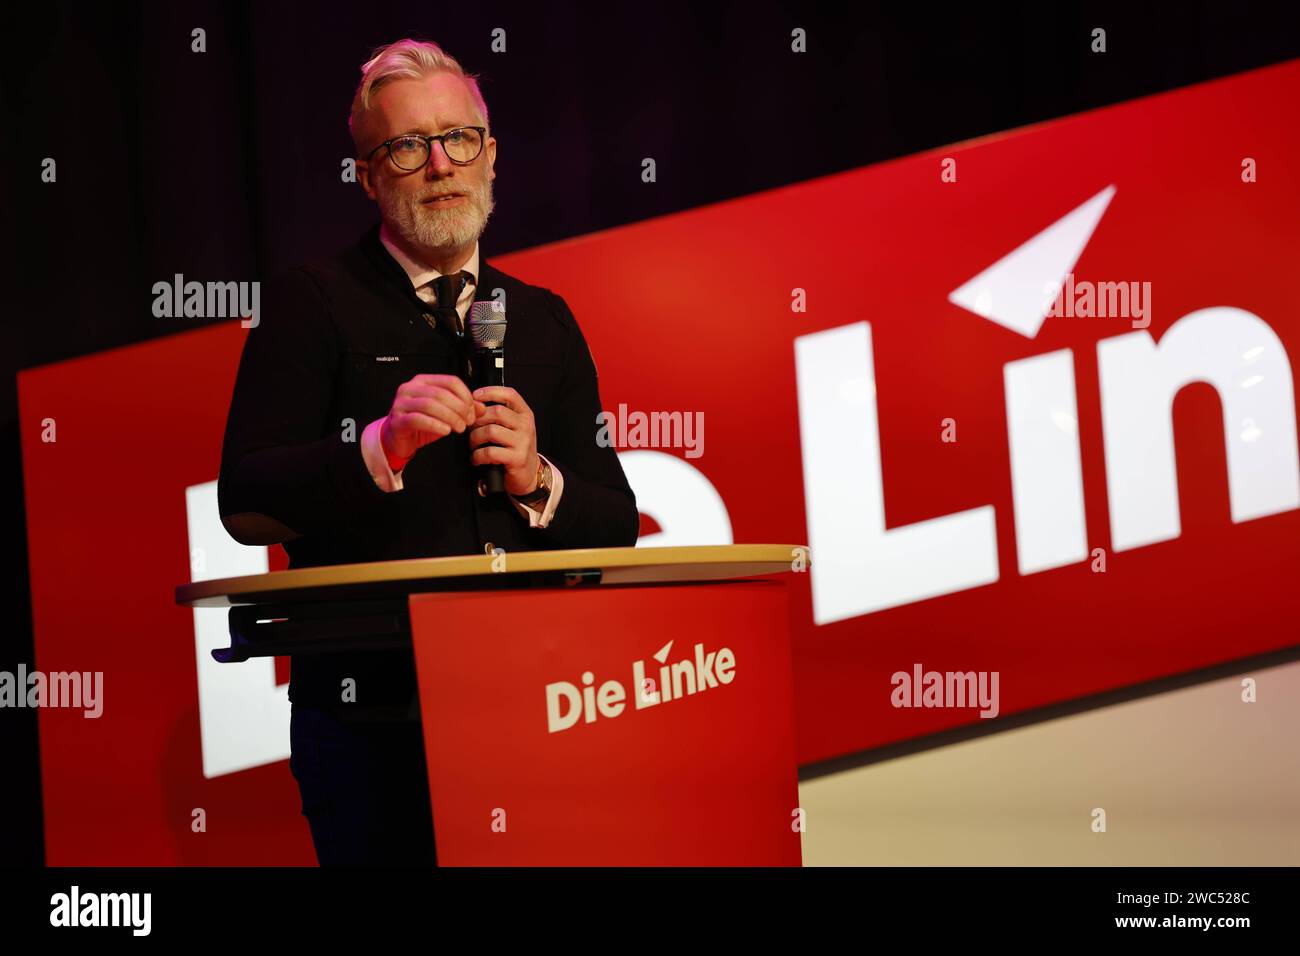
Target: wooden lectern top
610,565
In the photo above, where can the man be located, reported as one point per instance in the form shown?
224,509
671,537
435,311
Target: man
352,436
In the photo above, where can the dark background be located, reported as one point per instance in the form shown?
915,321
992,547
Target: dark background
226,165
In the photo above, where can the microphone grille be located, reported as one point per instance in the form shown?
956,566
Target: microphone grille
487,324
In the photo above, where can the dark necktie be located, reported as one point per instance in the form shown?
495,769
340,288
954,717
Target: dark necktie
448,289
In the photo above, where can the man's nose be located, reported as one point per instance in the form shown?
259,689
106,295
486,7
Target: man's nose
438,164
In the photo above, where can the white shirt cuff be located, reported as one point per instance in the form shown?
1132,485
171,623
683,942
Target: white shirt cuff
541,520
372,450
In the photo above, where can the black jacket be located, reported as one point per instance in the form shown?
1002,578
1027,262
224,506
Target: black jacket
311,378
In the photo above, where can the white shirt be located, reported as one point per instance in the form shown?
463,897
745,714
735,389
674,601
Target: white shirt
372,449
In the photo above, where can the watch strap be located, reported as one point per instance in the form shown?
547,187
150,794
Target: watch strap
541,491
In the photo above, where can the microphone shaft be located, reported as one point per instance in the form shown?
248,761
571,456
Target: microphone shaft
490,369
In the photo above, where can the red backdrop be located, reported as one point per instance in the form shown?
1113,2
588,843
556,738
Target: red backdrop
885,245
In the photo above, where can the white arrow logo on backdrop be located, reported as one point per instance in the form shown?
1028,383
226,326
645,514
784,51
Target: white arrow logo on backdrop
1017,291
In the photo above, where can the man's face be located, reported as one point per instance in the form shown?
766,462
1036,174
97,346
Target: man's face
431,105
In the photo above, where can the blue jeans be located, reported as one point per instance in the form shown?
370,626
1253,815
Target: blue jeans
364,786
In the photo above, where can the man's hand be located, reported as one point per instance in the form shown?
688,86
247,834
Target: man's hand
510,426
425,409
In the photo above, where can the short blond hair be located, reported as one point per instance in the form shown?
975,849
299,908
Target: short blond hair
406,59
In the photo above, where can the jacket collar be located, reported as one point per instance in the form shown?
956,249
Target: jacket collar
374,250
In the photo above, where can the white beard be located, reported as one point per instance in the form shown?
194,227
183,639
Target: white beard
426,226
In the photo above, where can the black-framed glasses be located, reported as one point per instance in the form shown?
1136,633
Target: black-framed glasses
410,151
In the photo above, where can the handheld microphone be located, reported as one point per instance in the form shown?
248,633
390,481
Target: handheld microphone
487,328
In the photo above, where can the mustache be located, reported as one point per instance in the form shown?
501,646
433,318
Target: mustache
473,194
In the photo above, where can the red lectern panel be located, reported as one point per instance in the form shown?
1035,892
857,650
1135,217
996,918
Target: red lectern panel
610,726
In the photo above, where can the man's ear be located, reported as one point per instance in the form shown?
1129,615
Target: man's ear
492,158
363,177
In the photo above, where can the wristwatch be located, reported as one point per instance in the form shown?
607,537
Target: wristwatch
543,489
